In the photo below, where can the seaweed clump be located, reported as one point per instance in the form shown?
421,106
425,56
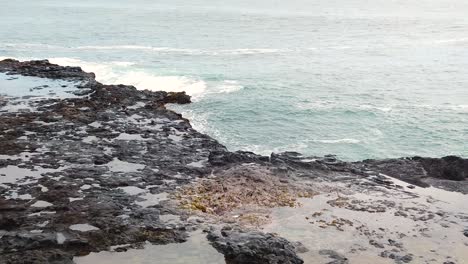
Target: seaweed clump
241,187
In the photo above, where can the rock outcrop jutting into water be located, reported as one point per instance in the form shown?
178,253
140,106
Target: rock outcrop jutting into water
94,173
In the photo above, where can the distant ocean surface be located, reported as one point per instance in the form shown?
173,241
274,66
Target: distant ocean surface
356,78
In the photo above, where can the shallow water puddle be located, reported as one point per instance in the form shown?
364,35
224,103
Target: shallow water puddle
23,92
90,139
150,199
11,174
128,137
361,234
198,164
83,227
196,250
175,138
35,86
117,165
145,198
15,195
132,190
41,204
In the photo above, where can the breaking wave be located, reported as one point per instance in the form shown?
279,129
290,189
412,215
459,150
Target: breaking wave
120,73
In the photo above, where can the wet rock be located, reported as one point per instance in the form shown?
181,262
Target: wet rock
51,256
376,244
14,241
298,161
404,169
337,258
417,170
177,98
394,243
398,258
449,167
223,157
10,222
44,69
300,248
401,213
253,247
10,206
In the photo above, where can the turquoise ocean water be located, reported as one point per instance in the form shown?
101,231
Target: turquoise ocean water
356,78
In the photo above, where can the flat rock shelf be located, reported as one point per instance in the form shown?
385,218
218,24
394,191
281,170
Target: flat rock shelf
95,173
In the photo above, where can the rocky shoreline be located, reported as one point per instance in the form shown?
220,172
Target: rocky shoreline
87,167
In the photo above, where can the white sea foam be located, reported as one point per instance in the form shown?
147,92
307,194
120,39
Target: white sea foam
142,80
378,108
139,48
123,63
462,107
228,86
457,108
250,51
27,46
113,47
103,71
240,51
112,73
455,40
338,141
331,48
146,48
108,74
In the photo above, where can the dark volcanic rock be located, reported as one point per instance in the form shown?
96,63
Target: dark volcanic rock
87,151
399,259
424,171
177,98
450,167
50,256
337,258
240,247
407,170
222,157
97,169
44,69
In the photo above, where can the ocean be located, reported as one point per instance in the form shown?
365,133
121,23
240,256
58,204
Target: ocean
356,78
